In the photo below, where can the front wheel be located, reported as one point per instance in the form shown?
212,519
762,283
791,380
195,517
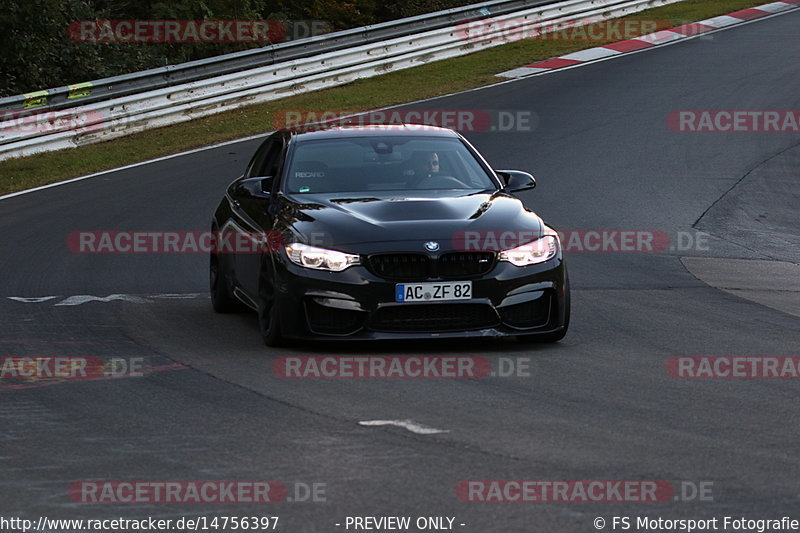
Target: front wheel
221,298
268,311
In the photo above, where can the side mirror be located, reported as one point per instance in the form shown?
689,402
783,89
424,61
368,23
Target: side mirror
253,188
517,180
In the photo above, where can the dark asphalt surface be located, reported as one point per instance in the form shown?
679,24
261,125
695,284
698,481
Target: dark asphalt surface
598,405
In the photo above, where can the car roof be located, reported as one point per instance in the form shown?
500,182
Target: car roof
373,130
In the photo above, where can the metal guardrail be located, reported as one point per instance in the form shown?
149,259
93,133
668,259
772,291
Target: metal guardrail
106,119
156,78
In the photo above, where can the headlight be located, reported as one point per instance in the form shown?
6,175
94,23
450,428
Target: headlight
319,258
532,253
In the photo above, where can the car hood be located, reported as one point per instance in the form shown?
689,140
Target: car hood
365,223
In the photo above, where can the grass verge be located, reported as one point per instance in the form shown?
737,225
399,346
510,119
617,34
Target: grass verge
426,81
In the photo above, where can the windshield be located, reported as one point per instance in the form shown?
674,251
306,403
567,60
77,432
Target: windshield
384,164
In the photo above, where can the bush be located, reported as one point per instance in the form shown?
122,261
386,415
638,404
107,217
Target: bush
37,53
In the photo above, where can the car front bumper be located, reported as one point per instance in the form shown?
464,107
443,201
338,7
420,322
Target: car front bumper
356,304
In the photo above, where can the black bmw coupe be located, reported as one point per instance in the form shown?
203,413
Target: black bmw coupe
385,232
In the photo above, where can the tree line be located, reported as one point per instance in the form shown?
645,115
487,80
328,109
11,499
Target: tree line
39,50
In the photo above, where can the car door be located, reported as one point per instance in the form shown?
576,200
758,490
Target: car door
252,220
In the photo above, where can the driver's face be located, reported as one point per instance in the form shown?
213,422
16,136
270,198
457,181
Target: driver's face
432,163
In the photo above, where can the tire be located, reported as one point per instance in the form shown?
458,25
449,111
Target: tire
222,299
269,324
555,336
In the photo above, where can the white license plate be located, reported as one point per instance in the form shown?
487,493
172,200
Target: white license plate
433,292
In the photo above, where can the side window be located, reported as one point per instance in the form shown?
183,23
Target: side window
266,160
273,159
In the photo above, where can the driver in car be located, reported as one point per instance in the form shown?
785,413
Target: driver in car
425,173
426,164
421,167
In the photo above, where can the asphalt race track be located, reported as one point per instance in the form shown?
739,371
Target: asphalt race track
600,405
